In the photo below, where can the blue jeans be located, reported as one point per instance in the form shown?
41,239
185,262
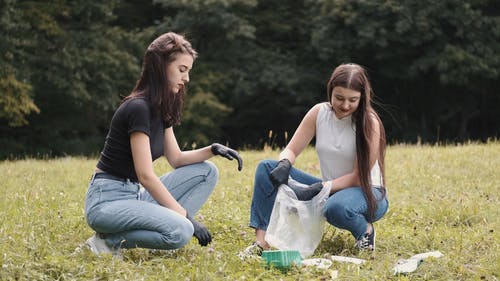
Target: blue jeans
127,216
345,209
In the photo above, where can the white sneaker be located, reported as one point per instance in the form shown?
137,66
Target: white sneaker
98,246
253,251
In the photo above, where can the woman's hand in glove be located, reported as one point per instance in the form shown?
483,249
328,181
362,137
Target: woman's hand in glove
200,232
219,149
279,175
307,193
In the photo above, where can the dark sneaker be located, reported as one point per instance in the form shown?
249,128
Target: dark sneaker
252,251
367,242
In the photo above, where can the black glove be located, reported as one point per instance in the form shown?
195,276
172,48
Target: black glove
279,175
200,232
219,149
307,193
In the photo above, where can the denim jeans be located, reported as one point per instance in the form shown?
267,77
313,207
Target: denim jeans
127,216
345,209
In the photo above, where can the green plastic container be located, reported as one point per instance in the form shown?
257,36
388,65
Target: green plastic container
282,259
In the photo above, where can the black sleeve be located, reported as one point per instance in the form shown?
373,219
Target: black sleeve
139,117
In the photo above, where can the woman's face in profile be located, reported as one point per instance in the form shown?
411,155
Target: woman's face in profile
178,71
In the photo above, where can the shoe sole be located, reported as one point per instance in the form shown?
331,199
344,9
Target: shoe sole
374,239
91,246
94,249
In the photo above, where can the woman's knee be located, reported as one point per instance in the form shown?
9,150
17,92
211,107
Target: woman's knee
180,236
264,168
336,213
262,182
212,171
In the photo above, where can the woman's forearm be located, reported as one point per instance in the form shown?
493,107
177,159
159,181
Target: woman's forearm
191,156
345,181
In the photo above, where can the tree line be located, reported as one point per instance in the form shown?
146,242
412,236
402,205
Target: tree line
65,65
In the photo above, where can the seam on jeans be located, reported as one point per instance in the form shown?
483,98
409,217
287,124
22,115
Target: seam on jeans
204,175
260,227
92,178
275,190
188,194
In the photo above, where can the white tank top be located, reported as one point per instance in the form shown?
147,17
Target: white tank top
336,146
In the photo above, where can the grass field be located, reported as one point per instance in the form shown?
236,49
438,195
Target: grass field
442,198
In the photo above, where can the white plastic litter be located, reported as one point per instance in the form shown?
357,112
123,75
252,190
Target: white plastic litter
406,266
319,263
348,259
411,264
423,256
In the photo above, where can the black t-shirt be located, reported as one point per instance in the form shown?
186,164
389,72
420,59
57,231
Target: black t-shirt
134,115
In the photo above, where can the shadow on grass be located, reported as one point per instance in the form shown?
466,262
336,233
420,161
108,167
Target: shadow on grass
141,255
336,242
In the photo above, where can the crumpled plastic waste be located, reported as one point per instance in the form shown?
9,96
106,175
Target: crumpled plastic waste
411,264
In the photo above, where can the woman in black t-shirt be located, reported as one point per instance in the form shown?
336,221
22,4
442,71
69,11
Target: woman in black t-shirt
158,216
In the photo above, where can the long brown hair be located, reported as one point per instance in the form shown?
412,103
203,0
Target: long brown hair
153,83
354,77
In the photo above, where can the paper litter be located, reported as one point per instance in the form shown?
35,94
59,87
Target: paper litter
347,259
318,262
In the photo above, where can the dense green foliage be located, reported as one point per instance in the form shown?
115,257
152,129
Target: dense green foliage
442,198
64,66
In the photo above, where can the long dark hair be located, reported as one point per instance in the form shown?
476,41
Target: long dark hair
354,77
153,83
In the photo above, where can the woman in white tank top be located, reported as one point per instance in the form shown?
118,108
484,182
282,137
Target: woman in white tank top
350,142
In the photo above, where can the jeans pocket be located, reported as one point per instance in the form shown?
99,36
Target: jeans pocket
92,197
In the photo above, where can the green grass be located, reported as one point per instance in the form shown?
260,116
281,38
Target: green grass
442,198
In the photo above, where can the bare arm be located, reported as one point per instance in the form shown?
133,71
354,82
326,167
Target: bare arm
176,157
302,136
143,164
352,179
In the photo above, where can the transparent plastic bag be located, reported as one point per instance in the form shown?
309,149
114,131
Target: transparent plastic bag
294,224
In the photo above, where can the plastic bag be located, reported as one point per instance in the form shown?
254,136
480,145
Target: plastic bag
294,224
